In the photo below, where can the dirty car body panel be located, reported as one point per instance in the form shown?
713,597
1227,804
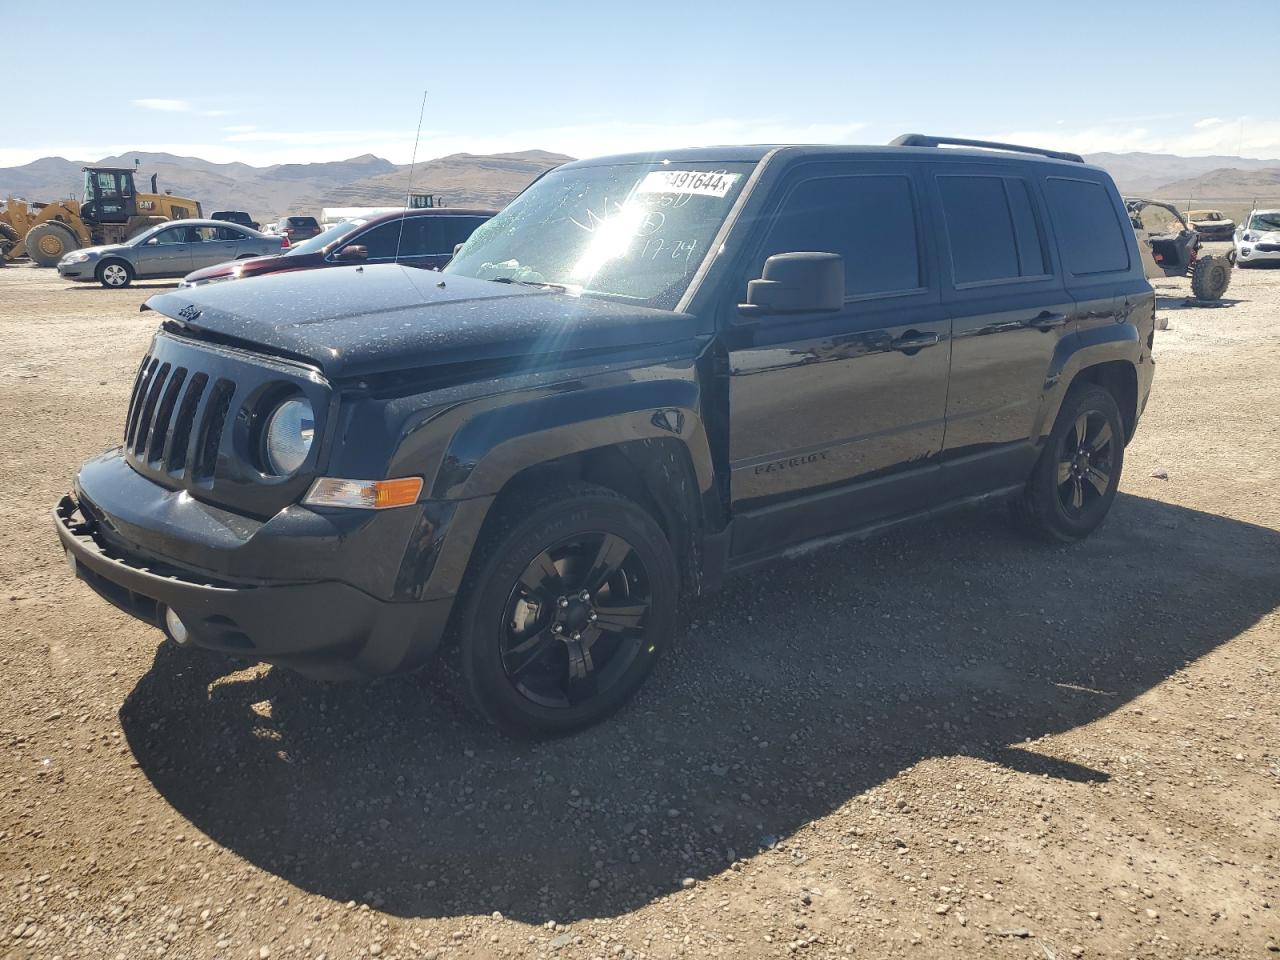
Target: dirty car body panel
745,436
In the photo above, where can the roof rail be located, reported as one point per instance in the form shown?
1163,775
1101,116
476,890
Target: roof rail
921,140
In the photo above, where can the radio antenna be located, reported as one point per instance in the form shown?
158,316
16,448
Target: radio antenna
413,160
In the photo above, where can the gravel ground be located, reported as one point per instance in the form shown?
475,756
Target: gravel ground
948,742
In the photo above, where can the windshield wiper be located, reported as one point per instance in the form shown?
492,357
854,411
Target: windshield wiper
558,287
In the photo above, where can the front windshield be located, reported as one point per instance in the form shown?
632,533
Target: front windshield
322,240
1265,222
628,231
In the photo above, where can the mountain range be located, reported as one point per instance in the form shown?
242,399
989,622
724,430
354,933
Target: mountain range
465,179
461,179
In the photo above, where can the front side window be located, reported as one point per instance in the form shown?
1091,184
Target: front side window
869,220
635,232
173,235
381,241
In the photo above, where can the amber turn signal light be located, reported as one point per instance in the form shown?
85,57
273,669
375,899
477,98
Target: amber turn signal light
363,494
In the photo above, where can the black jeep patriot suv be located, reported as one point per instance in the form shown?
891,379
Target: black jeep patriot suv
645,373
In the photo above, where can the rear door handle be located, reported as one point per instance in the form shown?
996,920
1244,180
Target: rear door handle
911,340
1047,321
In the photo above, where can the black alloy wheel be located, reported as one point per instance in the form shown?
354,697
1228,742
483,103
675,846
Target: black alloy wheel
1084,462
1072,487
575,621
570,601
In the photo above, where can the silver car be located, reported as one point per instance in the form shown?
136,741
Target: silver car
171,249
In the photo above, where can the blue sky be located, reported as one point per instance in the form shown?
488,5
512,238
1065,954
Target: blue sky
272,82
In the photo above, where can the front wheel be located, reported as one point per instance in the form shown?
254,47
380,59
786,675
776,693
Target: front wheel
115,274
1075,480
573,601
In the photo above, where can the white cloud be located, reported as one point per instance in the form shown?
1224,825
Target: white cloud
164,106
214,113
1255,137
1248,136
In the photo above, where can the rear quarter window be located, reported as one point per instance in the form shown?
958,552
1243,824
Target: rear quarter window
1090,234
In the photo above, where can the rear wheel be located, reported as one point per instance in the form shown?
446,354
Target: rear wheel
1074,482
47,243
1210,278
574,599
114,274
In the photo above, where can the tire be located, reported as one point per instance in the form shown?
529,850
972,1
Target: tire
49,242
8,233
1210,278
1069,494
537,657
114,274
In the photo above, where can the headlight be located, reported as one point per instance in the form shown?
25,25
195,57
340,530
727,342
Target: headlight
291,428
78,257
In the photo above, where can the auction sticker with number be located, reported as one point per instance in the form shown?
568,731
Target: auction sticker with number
698,183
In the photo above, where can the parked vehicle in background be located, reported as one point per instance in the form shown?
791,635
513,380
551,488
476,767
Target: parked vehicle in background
1211,224
417,201
1258,240
646,372
112,211
235,216
417,238
1170,248
297,228
166,250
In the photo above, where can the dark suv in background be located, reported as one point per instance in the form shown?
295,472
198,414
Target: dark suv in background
423,237
297,228
646,373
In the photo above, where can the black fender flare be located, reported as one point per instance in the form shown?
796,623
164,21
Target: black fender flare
494,446
1079,351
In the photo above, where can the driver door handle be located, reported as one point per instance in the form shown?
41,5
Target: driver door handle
1047,321
914,341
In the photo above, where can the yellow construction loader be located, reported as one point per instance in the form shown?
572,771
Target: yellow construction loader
112,211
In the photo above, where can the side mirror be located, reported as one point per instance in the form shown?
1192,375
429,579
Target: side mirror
458,246
797,283
352,254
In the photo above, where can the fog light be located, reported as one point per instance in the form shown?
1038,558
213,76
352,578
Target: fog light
175,628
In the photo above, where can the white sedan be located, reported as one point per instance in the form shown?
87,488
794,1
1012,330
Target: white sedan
1258,239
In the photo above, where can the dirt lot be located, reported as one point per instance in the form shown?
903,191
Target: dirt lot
948,743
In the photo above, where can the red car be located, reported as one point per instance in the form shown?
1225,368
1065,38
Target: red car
423,238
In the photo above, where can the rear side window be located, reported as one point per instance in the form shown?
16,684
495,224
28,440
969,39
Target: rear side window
1090,233
869,220
992,229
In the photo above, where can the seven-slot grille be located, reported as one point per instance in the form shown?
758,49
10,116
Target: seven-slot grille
176,418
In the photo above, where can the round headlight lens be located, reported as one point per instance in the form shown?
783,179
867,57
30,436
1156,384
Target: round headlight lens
291,428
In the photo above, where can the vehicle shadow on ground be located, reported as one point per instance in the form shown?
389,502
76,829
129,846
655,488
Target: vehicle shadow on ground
95,287
1189,303
795,690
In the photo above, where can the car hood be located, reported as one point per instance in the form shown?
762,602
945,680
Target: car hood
362,321
252,266
1271,236
105,248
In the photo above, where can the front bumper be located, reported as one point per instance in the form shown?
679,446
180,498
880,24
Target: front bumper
76,271
292,600
1265,252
